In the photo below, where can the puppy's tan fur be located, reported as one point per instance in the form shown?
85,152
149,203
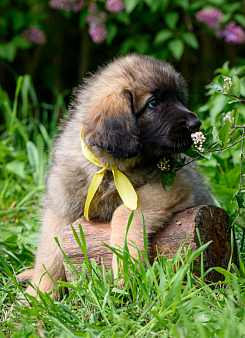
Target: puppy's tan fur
123,129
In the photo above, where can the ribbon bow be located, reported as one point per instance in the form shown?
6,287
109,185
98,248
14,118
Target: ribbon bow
122,183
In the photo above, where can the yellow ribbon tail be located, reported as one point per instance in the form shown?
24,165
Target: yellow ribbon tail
125,190
96,180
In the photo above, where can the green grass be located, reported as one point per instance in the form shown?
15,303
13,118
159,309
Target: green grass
163,300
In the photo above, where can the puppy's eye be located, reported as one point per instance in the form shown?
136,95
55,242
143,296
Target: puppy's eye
153,104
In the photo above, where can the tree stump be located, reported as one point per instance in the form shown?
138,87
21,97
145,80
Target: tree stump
211,221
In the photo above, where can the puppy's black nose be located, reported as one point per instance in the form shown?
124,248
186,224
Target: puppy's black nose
194,125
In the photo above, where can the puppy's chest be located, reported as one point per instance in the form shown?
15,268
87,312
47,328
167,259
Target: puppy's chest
107,198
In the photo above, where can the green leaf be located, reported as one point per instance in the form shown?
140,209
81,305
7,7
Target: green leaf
206,154
182,3
14,111
224,134
112,30
209,139
240,18
218,88
221,80
21,42
191,40
167,180
8,51
193,153
177,48
239,200
215,133
154,5
224,70
16,167
162,36
171,19
32,154
239,221
218,104
126,45
123,17
236,90
130,5
233,101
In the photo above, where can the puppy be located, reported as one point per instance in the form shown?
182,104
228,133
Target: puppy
133,113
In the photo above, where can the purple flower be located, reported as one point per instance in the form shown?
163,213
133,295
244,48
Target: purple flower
78,5
98,33
92,20
67,5
95,20
114,6
211,17
92,8
233,33
35,36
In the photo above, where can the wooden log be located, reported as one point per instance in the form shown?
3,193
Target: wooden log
211,221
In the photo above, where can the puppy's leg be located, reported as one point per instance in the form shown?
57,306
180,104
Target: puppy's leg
48,253
157,206
25,276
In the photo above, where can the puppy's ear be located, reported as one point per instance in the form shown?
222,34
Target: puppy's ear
114,128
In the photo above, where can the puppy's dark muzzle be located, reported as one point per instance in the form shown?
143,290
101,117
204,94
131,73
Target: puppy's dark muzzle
194,125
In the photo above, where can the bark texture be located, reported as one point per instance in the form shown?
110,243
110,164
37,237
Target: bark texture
211,221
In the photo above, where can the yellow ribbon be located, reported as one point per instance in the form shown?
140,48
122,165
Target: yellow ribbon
124,187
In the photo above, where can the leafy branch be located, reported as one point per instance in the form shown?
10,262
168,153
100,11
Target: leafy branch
205,143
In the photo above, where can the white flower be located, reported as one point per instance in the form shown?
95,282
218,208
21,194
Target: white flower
198,138
227,118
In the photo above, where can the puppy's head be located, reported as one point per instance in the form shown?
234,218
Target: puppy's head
136,105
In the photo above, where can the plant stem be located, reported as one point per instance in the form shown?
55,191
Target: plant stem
239,98
185,164
239,192
241,139
240,186
235,127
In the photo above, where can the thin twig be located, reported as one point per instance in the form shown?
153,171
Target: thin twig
239,192
232,130
240,186
185,164
211,151
235,127
239,98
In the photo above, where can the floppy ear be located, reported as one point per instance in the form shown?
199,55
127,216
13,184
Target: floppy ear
114,128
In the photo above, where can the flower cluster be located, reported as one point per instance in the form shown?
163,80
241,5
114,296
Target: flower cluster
198,138
211,17
233,33
114,6
228,80
163,164
67,5
228,84
227,118
35,36
97,29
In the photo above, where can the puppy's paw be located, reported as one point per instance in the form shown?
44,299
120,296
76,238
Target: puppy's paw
25,276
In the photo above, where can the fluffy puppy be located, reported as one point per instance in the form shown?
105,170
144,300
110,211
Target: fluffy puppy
133,113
